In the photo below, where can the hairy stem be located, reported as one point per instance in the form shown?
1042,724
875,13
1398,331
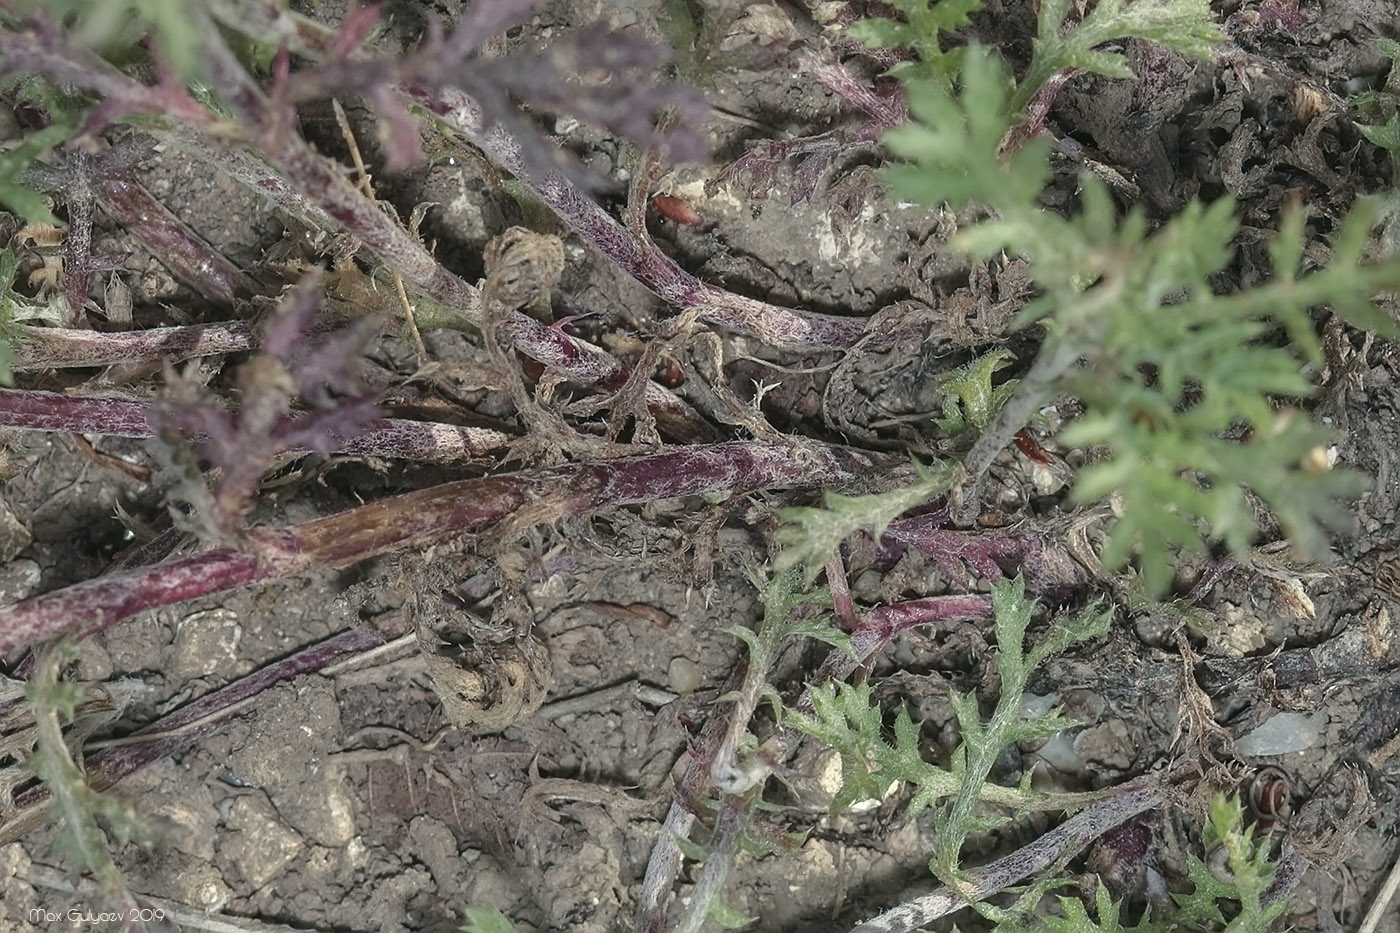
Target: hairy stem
780,327
423,517
65,348
185,253
119,417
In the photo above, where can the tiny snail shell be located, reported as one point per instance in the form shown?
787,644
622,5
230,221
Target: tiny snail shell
1218,863
1269,797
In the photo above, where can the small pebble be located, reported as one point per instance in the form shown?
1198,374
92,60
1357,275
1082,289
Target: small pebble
683,675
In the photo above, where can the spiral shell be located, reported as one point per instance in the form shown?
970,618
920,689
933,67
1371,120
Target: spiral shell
1269,797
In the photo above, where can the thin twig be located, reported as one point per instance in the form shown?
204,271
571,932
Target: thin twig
367,187
1125,802
1382,902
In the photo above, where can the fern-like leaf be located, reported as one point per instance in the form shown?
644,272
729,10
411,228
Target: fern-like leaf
812,535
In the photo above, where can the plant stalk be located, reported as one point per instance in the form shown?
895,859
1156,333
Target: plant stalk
1123,803
119,417
424,517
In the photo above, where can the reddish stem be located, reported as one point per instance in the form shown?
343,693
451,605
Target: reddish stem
780,327
188,724
422,518
61,348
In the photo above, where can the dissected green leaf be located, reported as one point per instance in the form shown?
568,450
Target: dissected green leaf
812,535
953,144
1183,25
845,718
926,28
1075,919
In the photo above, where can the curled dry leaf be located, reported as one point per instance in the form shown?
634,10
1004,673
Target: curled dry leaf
522,266
1324,828
487,678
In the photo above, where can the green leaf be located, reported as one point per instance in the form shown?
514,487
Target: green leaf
1237,869
17,196
486,919
812,535
1183,25
1387,135
925,25
970,401
692,850
747,636
1381,110
954,141
822,629
1075,919
729,918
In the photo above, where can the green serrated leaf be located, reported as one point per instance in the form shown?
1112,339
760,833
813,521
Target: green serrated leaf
970,401
813,535
1183,25
1075,919
926,26
953,145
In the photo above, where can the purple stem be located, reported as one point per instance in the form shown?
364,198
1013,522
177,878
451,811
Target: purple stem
62,348
780,327
119,417
78,265
882,625
204,716
786,328
425,517
192,260
1037,109
950,548
695,786
52,411
318,180
884,112
583,362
